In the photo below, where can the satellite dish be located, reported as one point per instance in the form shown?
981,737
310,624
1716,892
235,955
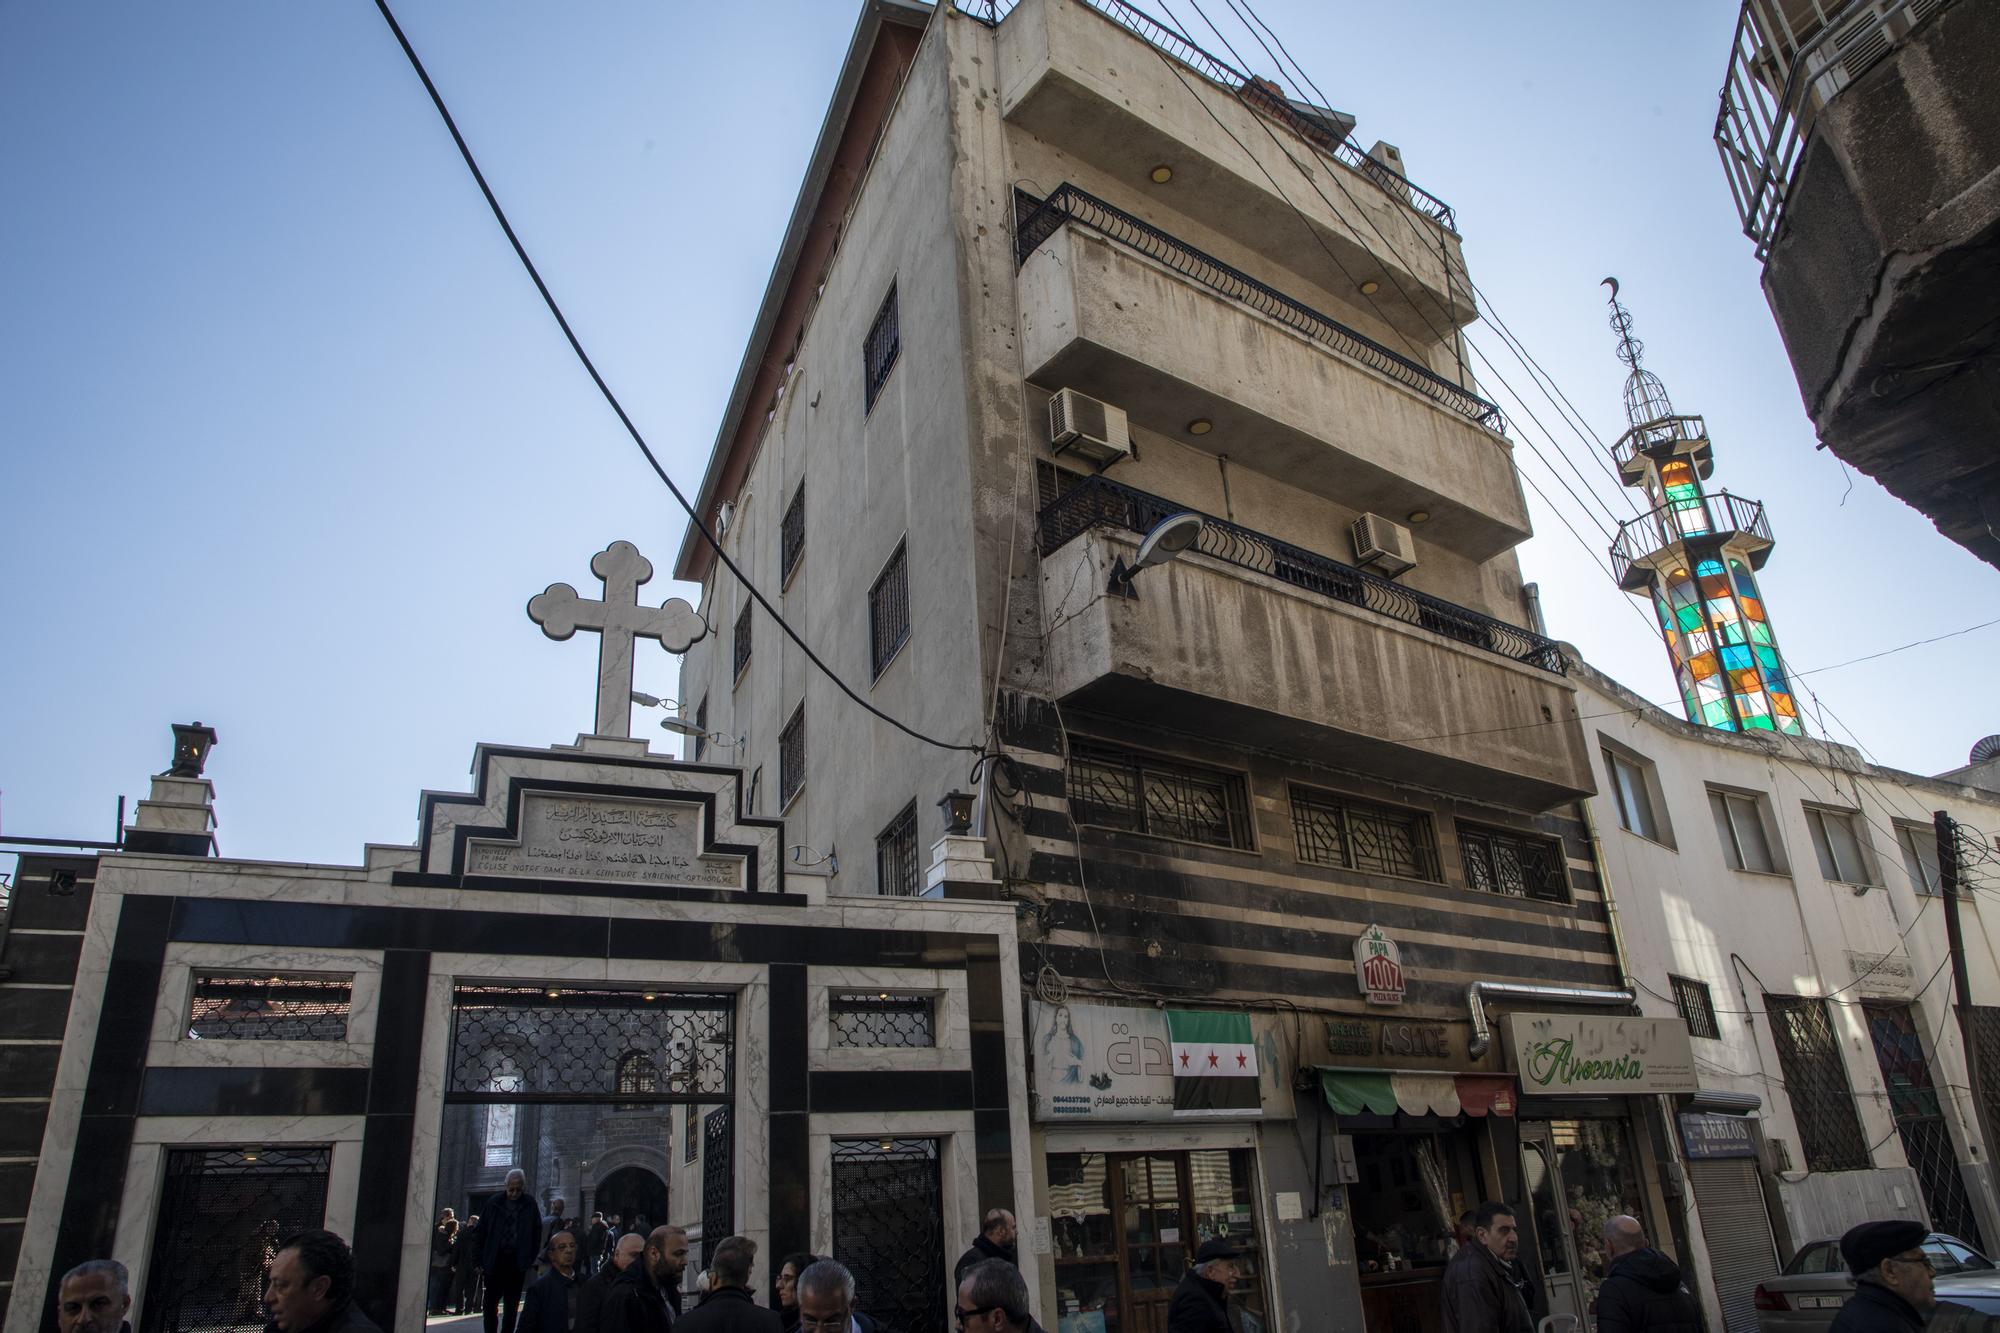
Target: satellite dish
1985,749
1167,538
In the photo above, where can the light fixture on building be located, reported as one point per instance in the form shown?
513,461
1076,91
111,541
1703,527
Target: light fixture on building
1162,174
1370,287
1420,516
957,807
551,994
1167,539
645,700
251,1154
1200,426
192,742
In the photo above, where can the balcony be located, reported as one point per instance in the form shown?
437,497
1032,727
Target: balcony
1660,440
1109,84
1253,641
1120,309
1712,521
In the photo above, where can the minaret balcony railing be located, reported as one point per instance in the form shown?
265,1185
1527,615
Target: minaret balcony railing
1662,438
1099,502
1039,219
1710,519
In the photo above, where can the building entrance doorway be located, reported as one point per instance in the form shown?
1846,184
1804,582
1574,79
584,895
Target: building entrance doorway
630,1193
1576,1175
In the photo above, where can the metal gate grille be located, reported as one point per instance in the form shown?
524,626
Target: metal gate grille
222,1213
718,1182
1740,1249
887,1203
533,1044
1816,1083
1913,1102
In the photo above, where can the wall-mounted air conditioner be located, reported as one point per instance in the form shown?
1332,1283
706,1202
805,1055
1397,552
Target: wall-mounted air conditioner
1383,546
1081,425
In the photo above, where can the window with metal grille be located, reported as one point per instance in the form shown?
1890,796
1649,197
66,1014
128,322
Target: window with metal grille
896,855
1816,1082
1918,843
889,609
1137,793
701,728
878,354
222,1212
1739,823
865,1019
792,533
1838,845
1357,835
742,638
792,757
282,1007
1697,1007
1515,865
637,1076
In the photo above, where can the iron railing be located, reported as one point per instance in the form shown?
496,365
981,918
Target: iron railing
1100,502
1663,431
1039,219
1717,515
896,868
1781,75
1178,46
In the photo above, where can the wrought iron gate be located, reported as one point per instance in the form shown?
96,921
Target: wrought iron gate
222,1213
718,1181
1913,1102
887,1228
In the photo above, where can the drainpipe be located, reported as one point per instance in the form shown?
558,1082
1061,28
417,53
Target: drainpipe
1531,594
1479,992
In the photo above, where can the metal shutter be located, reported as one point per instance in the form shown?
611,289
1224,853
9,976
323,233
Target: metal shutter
1741,1252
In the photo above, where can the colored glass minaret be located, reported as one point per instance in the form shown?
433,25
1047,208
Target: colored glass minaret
1695,553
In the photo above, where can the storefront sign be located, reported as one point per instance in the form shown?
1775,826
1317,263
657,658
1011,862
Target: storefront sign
1107,1062
1707,1135
1395,1043
1561,1054
1378,967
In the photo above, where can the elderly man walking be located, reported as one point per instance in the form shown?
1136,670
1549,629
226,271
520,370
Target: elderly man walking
1893,1284
1201,1301
1481,1291
510,1240
1642,1290
996,1240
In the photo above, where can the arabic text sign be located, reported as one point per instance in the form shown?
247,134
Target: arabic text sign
1559,1054
1101,1062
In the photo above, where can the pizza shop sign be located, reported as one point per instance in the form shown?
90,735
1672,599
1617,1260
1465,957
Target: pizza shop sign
1558,1054
1378,967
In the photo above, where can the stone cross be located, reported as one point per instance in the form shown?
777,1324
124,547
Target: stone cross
619,619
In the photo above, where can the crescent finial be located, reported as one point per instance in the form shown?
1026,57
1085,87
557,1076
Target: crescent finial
1612,283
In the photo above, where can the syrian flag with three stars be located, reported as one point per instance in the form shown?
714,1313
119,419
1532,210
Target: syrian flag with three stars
1215,1063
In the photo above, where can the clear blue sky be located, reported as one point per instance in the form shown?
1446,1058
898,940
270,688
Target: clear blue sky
289,440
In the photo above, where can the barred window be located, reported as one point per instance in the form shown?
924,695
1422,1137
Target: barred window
701,728
1816,1082
882,1020
1118,789
792,757
298,1006
1697,1007
1357,835
1514,865
638,1076
896,855
879,352
743,638
889,609
792,533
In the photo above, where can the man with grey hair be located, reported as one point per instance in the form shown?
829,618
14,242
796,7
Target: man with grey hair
826,1300
1642,1290
726,1307
993,1298
94,1297
510,1241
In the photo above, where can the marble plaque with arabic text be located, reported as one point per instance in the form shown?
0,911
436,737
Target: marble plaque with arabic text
606,840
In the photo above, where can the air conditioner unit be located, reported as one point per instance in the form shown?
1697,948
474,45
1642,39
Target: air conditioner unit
1383,546
1081,425
724,516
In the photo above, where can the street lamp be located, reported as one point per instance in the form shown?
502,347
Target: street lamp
1168,538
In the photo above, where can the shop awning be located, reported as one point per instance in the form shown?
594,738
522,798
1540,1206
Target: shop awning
1375,1092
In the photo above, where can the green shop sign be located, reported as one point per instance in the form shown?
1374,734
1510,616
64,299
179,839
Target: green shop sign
1560,1054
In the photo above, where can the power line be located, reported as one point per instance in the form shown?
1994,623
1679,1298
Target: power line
562,321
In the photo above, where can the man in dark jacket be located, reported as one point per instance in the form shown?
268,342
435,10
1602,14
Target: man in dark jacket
551,1302
510,1239
637,1299
596,1239
625,1252
1642,1291
727,1307
1201,1301
1481,1292
1893,1291
994,1241
94,1297
311,1289
993,1298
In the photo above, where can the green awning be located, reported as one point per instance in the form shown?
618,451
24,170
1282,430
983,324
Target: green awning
1355,1092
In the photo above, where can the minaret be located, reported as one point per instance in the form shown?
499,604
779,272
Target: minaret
1695,553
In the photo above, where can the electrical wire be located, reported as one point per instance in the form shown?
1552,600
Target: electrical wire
603,388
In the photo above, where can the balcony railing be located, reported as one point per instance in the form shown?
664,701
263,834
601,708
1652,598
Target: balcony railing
1662,432
1177,46
1039,219
1720,515
1098,502
1780,76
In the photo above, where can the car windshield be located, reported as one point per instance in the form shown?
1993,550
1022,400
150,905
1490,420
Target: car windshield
1950,1256
1819,1257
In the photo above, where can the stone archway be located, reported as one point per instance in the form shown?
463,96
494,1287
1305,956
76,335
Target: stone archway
631,1191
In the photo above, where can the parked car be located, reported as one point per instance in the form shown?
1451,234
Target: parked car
1815,1284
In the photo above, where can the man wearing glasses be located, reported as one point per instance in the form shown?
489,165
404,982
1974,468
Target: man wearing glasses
826,1300
1893,1290
993,1298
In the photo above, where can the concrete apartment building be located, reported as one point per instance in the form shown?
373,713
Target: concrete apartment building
1861,140
1781,895
1311,820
